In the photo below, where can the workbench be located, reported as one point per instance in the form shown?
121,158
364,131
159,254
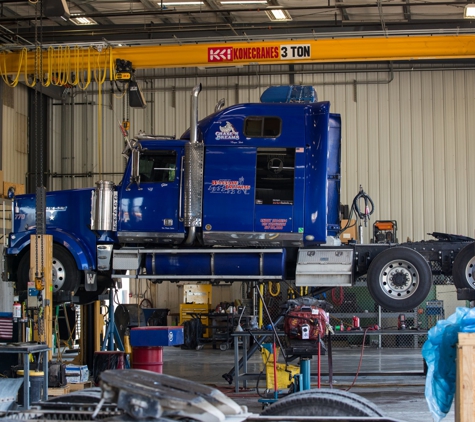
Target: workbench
241,338
25,349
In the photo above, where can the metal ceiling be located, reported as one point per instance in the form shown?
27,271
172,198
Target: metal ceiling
139,22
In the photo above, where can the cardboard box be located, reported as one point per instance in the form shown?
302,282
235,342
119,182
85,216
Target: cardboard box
19,188
349,233
77,373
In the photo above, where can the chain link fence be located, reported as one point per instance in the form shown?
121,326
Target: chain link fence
384,328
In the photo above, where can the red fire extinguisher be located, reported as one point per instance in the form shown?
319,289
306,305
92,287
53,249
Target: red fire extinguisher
16,308
401,322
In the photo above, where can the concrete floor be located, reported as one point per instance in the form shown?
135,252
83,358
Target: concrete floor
391,378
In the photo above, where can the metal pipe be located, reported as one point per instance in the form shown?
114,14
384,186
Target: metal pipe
261,294
71,127
189,164
194,114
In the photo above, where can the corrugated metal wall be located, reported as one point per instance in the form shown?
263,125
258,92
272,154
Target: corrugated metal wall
14,133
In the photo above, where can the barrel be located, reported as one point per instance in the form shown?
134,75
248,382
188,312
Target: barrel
36,384
149,358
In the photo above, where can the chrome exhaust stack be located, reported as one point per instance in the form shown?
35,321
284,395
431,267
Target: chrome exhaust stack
193,167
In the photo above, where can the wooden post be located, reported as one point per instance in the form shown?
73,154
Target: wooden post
41,252
465,384
98,325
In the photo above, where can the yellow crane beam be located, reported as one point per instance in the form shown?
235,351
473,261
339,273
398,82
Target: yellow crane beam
246,53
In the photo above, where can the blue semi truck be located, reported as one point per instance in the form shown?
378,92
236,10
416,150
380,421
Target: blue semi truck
249,193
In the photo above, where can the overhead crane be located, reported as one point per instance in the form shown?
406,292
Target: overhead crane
217,54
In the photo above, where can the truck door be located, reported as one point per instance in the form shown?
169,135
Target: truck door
150,211
278,190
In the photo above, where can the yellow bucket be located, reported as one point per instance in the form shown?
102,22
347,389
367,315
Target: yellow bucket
285,373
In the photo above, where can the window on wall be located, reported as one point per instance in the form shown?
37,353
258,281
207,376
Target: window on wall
262,127
158,166
275,176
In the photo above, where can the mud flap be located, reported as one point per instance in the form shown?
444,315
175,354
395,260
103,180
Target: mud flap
90,283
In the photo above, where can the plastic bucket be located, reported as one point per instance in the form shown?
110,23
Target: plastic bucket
36,384
148,358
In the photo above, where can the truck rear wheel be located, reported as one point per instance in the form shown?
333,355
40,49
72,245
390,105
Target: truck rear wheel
399,279
66,276
463,270
323,402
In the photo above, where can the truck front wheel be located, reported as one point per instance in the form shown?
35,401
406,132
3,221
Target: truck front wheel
66,276
463,270
399,279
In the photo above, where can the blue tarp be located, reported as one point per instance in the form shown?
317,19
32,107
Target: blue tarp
440,351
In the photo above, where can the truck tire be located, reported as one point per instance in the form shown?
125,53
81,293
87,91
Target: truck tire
323,402
399,279
463,270
66,276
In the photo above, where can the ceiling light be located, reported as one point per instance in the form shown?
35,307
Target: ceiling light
279,15
244,2
82,20
469,11
181,3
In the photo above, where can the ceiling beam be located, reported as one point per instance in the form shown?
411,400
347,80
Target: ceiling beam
407,11
274,52
225,16
153,6
190,12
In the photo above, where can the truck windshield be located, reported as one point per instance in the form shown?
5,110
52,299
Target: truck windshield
158,166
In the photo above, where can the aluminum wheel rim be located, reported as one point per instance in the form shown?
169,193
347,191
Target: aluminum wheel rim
469,272
59,275
399,279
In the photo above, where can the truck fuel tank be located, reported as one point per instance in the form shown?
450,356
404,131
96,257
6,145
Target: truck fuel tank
224,263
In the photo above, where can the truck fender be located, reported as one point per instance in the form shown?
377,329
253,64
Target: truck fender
85,260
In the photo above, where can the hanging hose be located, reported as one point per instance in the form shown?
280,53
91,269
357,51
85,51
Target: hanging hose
356,211
363,215
277,289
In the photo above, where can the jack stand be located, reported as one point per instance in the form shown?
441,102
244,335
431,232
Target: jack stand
111,332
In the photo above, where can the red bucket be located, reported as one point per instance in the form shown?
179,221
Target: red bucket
148,358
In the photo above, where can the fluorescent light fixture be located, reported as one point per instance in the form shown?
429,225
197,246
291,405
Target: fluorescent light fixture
244,2
82,20
181,3
469,11
279,15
